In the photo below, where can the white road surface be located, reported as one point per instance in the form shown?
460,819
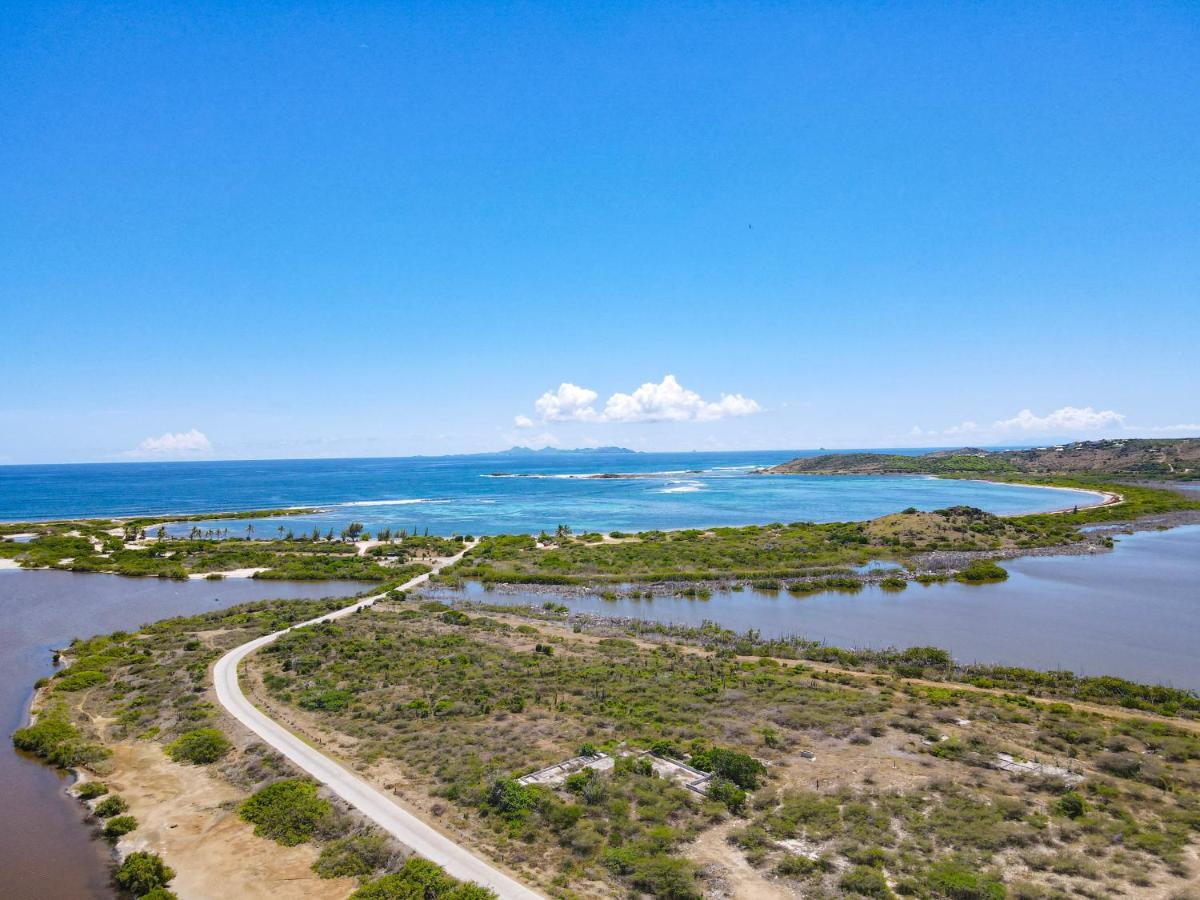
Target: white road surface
373,803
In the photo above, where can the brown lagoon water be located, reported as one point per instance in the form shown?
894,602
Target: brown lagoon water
46,850
1134,612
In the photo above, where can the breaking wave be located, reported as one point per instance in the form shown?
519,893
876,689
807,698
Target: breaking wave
392,502
682,487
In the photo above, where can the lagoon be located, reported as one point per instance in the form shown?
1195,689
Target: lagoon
45,849
498,493
1134,612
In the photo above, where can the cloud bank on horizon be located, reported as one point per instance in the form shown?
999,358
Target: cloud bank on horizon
1066,422
183,444
666,401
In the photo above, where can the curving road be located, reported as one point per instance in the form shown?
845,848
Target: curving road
373,803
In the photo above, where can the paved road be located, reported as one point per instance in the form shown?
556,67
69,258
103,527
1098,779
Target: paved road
373,803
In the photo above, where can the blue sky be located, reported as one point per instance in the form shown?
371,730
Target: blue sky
383,229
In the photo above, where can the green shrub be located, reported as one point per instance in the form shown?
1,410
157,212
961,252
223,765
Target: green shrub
328,700
419,879
288,811
510,797
142,873
111,806
356,856
77,681
1071,805
666,877
199,747
724,791
794,866
866,881
960,882
90,790
666,749
57,741
577,782
981,570
118,826
740,768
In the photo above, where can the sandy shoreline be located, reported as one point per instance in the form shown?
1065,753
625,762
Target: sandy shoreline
231,573
188,816
1107,498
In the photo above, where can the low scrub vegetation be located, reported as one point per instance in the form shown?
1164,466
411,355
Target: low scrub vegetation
289,812
112,805
465,705
199,746
94,550
143,873
119,826
55,739
981,571
354,856
490,709
419,879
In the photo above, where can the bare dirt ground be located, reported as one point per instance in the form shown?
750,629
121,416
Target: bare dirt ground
728,873
188,816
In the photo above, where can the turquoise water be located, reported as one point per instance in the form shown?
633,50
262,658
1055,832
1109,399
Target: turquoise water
489,494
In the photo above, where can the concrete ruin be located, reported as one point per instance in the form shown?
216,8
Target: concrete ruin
1043,770
552,776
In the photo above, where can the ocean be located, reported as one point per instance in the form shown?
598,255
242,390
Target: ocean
496,493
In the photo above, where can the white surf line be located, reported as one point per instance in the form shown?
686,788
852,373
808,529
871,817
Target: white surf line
422,838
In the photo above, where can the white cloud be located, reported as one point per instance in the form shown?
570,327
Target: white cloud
669,401
179,443
523,422
666,401
1067,421
570,403
1069,418
1188,429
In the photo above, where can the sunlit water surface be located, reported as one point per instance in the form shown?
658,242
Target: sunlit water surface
1134,612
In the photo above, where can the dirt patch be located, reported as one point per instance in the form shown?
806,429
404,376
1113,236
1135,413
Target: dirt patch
188,817
727,872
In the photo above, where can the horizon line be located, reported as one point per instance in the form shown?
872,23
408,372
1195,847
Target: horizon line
565,450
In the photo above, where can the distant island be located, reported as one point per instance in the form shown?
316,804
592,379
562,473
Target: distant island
1171,459
555,451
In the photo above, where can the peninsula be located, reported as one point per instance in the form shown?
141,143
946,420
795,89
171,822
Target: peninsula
1174,459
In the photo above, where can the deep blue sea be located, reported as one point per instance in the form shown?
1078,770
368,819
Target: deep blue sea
495,493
